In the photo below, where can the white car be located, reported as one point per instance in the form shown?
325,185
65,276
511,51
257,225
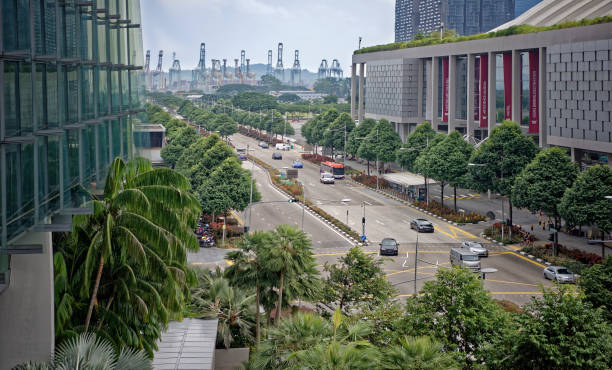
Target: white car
283,146
559,274
327,178
476,247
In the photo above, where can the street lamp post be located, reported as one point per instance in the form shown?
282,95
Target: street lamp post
416,259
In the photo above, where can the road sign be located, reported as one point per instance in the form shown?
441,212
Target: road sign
553,230
363,238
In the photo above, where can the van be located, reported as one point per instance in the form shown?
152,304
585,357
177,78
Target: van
463,257
281,146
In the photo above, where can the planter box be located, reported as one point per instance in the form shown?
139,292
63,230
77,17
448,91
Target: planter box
230,359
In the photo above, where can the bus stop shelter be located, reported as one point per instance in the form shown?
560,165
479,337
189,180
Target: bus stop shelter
408,183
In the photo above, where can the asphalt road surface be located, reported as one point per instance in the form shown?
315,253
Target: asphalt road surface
517,278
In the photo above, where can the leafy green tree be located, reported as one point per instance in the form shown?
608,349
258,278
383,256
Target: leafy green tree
193,154
420,353
289,98
254,101
387,141
173,151
227,187
224,124
415,143
291,259
505,153
360,131
470,318
232,306
541,185
556,331
585,203
90,352
358,280
330,99
446,161
334,136
596,283
248,270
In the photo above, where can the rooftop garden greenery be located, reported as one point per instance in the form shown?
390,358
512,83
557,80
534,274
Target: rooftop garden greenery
451,36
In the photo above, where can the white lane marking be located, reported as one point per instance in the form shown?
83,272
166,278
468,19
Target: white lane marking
380,223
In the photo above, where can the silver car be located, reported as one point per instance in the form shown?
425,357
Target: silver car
559,274
327,178
476,247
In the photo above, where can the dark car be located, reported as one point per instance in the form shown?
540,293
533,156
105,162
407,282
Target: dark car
421,225
263,145
389,247
277,155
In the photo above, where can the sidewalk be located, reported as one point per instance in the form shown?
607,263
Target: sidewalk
521,217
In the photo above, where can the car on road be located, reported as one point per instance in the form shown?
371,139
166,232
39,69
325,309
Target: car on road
282,146
559,274
298,164
389,247
476,247
242,156
263,145
327,178
421,225
277,155
463,257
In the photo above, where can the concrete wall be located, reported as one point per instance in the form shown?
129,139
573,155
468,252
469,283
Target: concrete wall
579,95
392,89
26,307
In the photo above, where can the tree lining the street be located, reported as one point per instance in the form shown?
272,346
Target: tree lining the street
504,155
446,161
585,203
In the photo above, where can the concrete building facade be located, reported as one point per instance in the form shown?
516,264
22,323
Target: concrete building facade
467,17
556,84
71,85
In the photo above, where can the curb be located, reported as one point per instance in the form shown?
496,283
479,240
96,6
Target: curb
314,213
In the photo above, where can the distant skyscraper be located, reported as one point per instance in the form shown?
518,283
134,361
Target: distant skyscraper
523,5
467,17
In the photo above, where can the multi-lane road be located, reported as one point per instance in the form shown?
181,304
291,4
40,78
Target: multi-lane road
517,278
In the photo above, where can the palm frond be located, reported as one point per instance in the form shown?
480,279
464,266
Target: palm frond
132,200
161,176
130,359
114,178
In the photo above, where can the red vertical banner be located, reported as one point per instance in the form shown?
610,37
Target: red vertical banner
508,86
534,92
484,90
444,89
476,89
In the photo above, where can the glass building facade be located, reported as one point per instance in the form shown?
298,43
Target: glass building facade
72,81
467,17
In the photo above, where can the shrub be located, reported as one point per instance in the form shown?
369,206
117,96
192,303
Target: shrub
316,158
448,213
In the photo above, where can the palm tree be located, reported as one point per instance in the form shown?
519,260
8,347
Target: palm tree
90,352
141,218
247,269
298,332
291,258
418,353
337,356
233,307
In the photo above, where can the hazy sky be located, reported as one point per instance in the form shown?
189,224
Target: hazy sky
318,28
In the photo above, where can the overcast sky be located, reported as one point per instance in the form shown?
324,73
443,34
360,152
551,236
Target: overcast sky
318,28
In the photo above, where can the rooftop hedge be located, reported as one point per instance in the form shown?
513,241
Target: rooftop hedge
512,30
